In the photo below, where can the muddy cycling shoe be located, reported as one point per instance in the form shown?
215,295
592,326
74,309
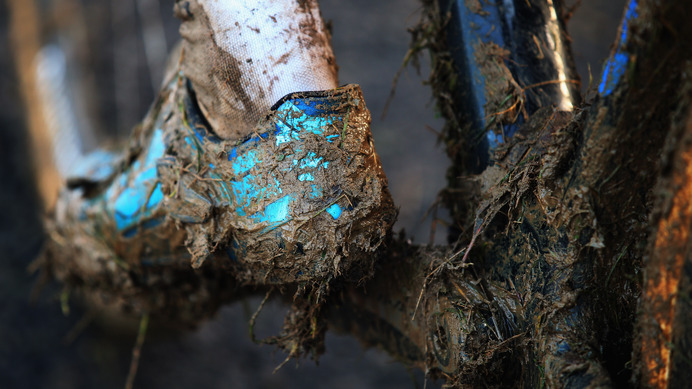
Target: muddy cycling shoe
302,199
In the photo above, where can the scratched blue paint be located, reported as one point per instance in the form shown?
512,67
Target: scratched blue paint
126,207
244,190
617,64
306,177
316,192
247,190
132,205
137,200
310,160
274,213
156,148
156,197
277,186
145,175
222,185
245,162
133,197
334,210
297,121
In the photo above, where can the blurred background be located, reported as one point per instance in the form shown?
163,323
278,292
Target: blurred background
115,51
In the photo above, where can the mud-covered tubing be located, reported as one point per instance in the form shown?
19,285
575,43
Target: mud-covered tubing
509,59
499,69
304,199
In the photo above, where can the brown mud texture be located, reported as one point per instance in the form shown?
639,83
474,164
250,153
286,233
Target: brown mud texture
572,265
571,269
207,236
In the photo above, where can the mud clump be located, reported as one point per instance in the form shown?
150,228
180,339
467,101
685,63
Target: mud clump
183,218
505,99
303,199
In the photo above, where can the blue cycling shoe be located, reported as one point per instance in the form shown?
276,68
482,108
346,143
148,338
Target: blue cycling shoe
302,199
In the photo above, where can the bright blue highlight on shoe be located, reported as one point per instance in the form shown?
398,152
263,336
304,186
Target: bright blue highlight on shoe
334,210
617,63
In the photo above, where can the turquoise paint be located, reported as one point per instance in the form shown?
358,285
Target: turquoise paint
156,197
296,121
244,191
310,160
334,210
145,175
297,118
245,162
156,148
222,185
136,194
306,177
136,200
126,207
276,212
316,192
133,205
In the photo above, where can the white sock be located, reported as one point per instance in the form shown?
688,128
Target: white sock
243,56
